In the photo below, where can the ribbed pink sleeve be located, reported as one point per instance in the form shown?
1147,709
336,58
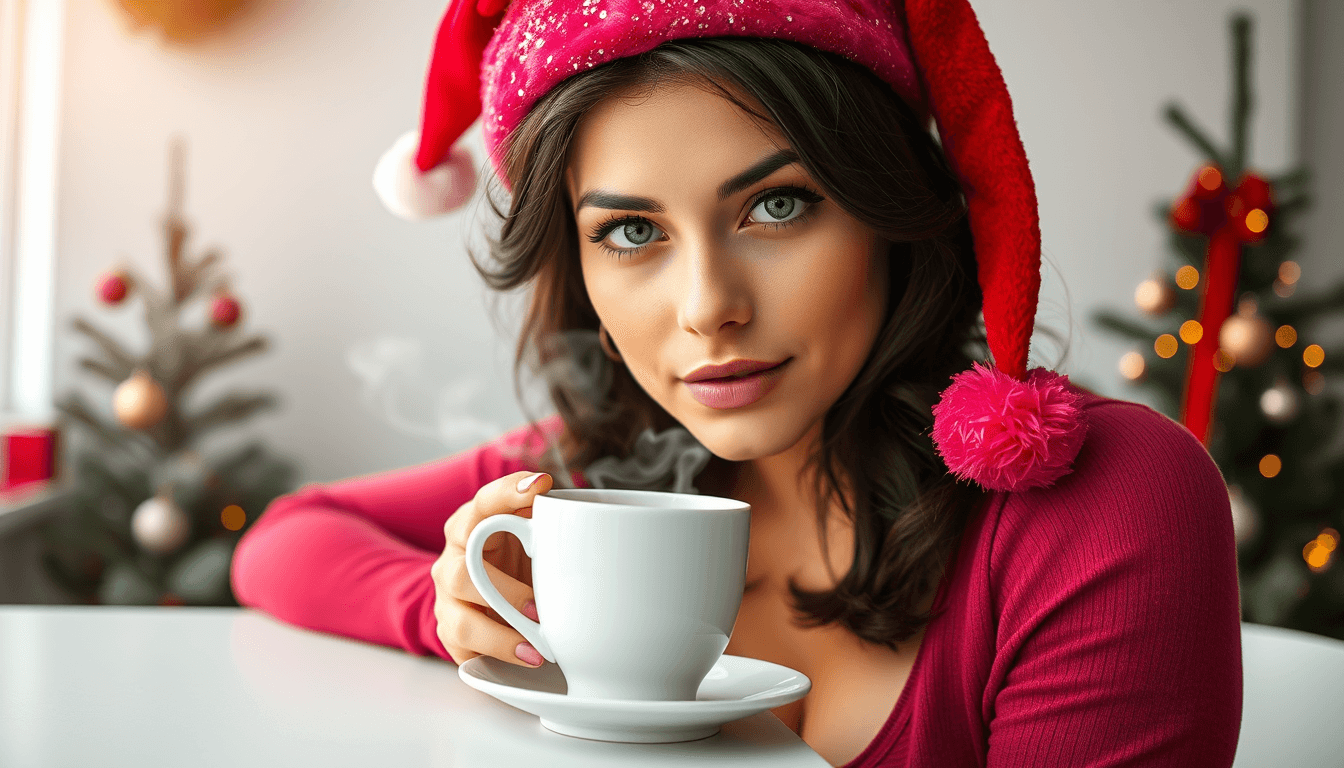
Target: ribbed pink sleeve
1094,623
352,558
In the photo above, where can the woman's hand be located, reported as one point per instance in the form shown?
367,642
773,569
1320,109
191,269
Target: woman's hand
467,626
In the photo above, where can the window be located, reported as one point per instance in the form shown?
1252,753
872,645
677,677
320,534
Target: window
31,34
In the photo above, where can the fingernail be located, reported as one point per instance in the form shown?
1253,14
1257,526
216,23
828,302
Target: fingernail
530,610
528,655
527,482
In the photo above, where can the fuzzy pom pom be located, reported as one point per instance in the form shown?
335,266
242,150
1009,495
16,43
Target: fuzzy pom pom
1008,434
413,195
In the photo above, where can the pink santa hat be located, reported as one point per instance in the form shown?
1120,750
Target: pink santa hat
1003,427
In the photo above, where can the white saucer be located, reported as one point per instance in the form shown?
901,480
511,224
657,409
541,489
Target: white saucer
735,688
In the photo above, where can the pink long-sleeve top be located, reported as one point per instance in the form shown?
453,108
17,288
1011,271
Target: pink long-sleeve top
1093,623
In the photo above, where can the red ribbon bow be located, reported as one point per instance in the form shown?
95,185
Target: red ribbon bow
1230,218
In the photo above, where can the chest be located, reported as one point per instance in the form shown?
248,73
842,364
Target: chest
855,684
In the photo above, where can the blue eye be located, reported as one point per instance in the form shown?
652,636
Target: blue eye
778,207
636,232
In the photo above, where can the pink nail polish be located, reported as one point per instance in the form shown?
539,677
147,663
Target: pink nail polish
527,482
530,610
528,655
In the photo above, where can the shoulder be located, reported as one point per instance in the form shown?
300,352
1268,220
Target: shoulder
1144,495
1135,466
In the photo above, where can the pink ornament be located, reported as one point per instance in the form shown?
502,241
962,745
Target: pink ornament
225,311
113,287
1006,434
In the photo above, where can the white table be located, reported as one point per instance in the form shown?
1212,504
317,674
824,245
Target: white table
145,687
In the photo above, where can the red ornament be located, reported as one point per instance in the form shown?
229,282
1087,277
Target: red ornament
113,287
225,311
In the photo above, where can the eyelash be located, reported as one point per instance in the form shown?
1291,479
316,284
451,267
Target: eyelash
598,235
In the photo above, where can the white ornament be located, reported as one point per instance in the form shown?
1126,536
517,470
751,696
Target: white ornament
1280,403
159,525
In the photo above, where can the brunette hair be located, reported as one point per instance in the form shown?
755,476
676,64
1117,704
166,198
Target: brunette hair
870,154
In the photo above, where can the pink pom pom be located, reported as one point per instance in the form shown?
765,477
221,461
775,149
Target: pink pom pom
1006,434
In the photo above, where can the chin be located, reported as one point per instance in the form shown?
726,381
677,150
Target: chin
744,437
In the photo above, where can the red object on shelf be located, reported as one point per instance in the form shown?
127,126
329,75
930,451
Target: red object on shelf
29,456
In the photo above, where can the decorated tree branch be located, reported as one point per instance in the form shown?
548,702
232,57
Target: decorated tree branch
155,521
1228,344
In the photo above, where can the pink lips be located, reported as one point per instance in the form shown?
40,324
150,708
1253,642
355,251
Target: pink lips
736,392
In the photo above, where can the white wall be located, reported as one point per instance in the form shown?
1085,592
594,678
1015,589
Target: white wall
287,114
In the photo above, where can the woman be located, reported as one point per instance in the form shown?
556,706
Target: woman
1008,572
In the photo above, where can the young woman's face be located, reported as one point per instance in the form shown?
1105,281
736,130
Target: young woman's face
702,243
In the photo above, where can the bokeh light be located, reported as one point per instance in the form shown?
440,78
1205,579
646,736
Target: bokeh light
1257,220
1210,178
1132,366
1313,382
1223,361
233,517
1286,336
1313,356
1270,465
1191,331
1187,277
1165,346
1289,272
1318,552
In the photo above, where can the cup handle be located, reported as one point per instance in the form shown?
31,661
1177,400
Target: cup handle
475,553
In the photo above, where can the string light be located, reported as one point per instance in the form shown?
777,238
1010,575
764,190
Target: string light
1313,356
1210,178
1286,336
1256,221
1289,272
1270,465
1187,277
1132,366
1191,332
1318,551
233,517
1165,346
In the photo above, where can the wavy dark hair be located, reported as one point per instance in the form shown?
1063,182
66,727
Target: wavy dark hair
871,155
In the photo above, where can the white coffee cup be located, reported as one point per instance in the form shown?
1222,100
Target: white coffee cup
637,591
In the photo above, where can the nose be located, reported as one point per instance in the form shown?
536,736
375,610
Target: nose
716,294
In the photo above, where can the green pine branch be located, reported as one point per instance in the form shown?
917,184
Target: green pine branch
1196,135
228,409
76,408
121,358
1298,311
114,374
1243,101
1121,325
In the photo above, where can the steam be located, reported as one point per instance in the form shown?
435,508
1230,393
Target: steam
666,461
390,372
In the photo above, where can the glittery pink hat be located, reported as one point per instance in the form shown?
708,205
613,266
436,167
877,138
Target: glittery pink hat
1004,427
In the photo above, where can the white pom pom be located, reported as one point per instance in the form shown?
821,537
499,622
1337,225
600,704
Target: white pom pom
413,195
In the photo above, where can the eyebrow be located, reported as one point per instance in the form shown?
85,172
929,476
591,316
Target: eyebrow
599,198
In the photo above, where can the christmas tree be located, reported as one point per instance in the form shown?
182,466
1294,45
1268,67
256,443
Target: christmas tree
154,521
1229,347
